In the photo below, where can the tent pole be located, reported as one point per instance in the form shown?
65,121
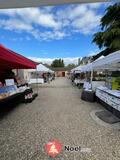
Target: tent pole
36,81
86,75
91,77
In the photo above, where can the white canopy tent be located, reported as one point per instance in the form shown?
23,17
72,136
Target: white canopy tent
80,69
108,95
77,69
110,62
41,68
87,67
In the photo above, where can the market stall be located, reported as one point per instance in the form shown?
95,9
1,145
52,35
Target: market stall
11,88
101,72
110,97
77,76
87,93
109,94
41,74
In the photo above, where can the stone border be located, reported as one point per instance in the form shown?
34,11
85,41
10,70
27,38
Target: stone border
102,123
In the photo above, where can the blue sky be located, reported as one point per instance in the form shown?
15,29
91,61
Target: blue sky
46,33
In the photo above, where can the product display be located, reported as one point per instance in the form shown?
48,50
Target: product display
13,89
116,83
7,91
110,97
23,90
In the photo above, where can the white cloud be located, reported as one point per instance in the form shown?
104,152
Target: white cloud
29,19
67,60
15,24
48,23
76,11
32,16
95,5
52,35
87,23
81,18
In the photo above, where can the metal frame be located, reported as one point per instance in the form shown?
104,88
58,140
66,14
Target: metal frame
5,4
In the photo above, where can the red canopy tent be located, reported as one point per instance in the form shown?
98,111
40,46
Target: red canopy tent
12,60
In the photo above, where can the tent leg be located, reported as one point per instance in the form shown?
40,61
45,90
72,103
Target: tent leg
36,82
91,78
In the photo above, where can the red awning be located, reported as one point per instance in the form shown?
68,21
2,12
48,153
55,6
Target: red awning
12,60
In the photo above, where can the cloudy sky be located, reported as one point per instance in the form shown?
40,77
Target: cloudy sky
46,33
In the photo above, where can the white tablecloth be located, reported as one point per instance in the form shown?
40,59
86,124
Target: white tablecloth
110,97
113,92
39,80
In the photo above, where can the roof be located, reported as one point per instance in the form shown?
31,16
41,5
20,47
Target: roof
82,68
61,69
105,52
41,68
11,60
37,3
110,62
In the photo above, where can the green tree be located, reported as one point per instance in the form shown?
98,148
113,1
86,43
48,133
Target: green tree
71,66
58,63
109,37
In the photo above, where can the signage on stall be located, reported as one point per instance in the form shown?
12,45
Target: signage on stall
9,82
109,99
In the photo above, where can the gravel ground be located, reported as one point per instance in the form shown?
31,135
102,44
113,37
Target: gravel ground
57,113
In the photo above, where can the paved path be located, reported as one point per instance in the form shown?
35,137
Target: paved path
57,113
